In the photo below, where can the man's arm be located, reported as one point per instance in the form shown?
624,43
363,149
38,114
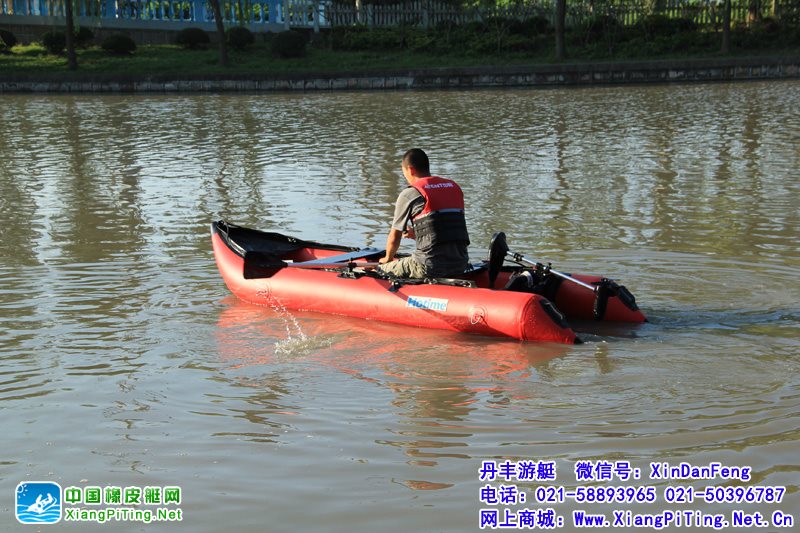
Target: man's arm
402,212
392,245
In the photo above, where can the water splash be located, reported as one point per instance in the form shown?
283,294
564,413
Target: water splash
290,321
296,342
296,346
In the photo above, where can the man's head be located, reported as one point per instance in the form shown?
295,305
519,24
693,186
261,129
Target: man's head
415,165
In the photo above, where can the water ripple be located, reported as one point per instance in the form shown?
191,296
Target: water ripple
113,316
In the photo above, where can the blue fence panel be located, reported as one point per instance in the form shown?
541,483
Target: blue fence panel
166,10
244,12
250,12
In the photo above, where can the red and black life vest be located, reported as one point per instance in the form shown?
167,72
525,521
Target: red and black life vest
442,219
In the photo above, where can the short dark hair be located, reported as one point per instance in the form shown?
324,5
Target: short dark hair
418,159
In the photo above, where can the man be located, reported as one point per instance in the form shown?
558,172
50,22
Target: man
434,207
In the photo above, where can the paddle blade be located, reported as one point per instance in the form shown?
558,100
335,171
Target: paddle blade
261,265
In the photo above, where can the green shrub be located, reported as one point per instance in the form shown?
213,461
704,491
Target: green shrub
83,37
193,38
530,27
655,25
687,42
119,44
54,42
670,45
519,43
239,37
359,38
445,26
378,39
288,44
422,41
434,41
475,27
471,38
767,25
493,22
7,40
793,36
337,36
600,27
482,43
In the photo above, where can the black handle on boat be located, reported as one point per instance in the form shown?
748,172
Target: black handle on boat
547,269
498,250
605,288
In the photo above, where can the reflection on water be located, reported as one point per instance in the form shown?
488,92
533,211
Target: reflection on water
124,360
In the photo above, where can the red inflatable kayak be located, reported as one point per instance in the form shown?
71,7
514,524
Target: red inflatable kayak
286,272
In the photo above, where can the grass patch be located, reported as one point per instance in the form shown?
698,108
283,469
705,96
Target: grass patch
258,59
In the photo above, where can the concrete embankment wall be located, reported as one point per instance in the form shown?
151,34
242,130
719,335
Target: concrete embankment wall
453,78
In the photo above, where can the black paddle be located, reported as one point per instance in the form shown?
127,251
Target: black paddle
605,288
345,266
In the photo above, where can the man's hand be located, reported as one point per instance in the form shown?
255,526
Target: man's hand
409,234
392,245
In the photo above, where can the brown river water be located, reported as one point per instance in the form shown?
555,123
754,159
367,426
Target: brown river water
125,361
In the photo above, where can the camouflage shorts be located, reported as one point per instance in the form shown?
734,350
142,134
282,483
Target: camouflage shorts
407,267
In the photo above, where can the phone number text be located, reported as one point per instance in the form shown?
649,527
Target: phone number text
650,494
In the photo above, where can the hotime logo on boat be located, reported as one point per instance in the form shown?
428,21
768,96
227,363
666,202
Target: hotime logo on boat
38,502
434,304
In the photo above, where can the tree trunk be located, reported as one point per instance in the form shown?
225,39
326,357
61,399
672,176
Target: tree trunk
561,15
69,36
754,11
726,28
223,46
